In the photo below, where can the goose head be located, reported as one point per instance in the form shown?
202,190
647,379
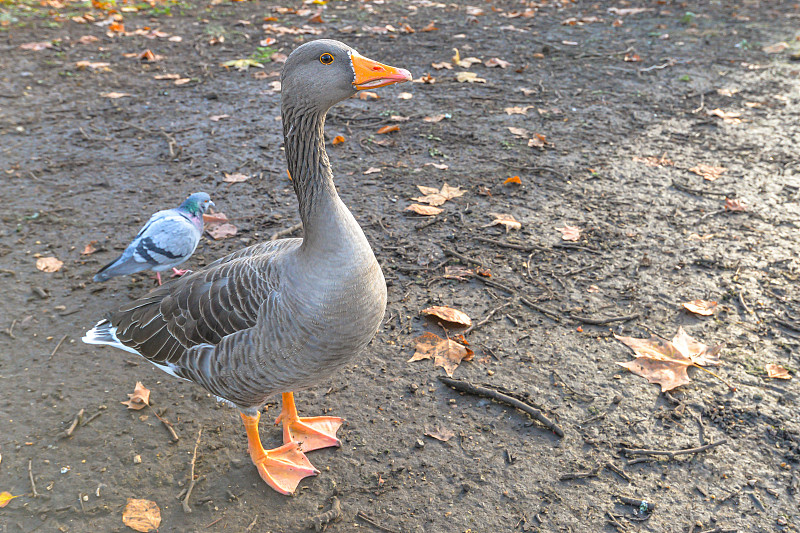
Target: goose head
321,73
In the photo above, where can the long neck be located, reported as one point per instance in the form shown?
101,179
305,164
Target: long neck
321,210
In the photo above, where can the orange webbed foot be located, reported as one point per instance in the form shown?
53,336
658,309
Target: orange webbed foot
313,433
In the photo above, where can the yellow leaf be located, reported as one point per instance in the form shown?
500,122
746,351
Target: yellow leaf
141,515
6,497
434,196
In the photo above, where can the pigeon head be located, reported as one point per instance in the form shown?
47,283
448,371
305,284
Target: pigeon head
197,204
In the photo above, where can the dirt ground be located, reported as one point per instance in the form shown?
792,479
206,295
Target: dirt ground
626,103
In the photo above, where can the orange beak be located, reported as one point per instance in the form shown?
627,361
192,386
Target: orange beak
370,74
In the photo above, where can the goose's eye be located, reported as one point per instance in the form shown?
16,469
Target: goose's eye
326,59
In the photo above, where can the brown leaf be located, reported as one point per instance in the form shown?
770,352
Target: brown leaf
434,118
454,316
372,170
86,39
731,117
89,249
388,129
440,166
653,161
114,95
446,353
708,172
443,64
519,132
735,204
507,221
441,434
214,218
458,272
538,141
221,231
773,371
141,515
235,177
666,362
429,27
570,233
6,497
701,307
426,210
167,77
49,264
139,399
36,47
339,139
99,65
513,180
434,196
497,62
182,81
775,49
518,110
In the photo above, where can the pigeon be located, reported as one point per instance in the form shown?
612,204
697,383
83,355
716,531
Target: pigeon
168,239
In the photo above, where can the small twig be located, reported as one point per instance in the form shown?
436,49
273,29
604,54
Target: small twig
673,453
475,326
604,321
167,424
618,471
320,522
616,522
30,476
192,480
643,505
373,523
252,525
556,316
288,231
486,392
10,330
521,247
580,475
463,257
57,347
77,419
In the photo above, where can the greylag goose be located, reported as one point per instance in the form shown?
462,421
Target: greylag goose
168,239
283,315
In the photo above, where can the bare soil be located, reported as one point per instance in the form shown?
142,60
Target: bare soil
78,167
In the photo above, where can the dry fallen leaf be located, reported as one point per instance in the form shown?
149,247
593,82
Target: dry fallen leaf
218,227
83,65
463,63
730,117
507,221
339,139
440,166
49,264
735,204
513,180
235,177
6,497
426,210
775,48
114,95
443,64
773,371
139,399
89,249
429,27
441,434
372,170
434,196
405,96
538,141
446,353
36,47
632,58
518,110
570,233
454,316
519,132
708,172
388,129
242,64
666,362
469,77
458,272
141,515
653,161
166,77
497,62
86,39
217,118
435,118
701,307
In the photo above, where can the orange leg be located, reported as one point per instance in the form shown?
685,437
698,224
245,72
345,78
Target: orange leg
281,468
312,433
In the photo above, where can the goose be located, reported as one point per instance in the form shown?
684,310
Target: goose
168,239
283,315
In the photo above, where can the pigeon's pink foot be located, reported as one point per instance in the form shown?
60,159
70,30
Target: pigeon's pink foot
176,273
158,278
